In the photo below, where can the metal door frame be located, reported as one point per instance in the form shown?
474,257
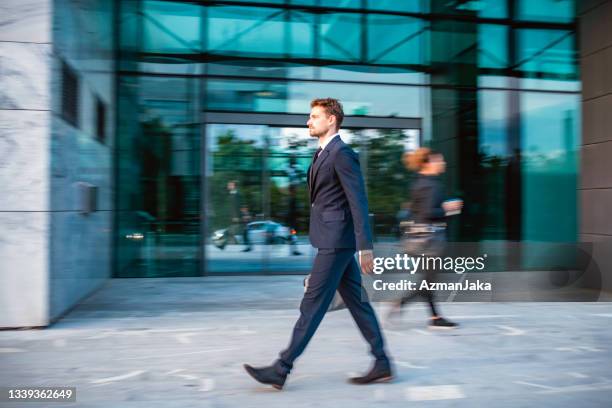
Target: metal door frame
299,120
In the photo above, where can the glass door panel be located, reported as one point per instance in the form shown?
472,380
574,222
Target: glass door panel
235,180
258,200
290,152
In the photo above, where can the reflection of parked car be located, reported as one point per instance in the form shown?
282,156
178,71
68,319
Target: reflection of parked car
260,232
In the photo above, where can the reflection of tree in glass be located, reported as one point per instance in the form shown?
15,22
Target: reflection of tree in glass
235,160
387,181
289,201
296,142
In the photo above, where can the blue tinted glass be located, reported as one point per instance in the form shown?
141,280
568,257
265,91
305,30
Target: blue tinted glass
295,97
341,3
493,123
413,6
304,2
453,42
549,137
158,186
340,36
301,35
492,8
395,39
261,1
246,30
372,74
263,69
484,8
130,22
249,96
550,84
492,46
562,11
171,27
547,51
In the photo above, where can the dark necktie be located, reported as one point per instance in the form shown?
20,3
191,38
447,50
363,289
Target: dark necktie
316,155
314,159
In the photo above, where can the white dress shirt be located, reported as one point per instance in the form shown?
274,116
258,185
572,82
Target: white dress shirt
325,143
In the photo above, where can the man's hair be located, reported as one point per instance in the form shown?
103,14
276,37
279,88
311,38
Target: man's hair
332,107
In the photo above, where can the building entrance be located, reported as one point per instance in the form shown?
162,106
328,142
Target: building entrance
228,195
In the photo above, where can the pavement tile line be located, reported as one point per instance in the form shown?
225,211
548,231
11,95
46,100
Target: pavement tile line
434,393
503,355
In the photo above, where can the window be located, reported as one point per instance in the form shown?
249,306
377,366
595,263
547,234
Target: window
100,120
547,52
394,39
171,27
560,11
70,95
492,46
344,47
245,31
549,164
295,97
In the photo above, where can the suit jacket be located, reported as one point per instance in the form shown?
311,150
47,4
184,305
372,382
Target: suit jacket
338,203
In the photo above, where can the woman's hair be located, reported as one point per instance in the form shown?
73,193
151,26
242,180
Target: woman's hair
417,159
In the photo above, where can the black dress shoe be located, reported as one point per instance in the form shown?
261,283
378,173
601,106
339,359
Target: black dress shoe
381,372
267,375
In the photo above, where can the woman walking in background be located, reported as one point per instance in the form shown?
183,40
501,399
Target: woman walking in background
429,210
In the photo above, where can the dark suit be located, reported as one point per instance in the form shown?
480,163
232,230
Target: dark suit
338,225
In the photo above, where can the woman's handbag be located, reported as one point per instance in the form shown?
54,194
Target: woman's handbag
423,239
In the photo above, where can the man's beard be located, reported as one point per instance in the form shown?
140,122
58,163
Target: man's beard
313,133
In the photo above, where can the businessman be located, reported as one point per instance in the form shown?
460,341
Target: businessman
338,227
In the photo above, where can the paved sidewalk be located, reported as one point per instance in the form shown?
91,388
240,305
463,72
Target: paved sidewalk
181,342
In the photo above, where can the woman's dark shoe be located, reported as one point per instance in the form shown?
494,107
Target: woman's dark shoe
442,323
267,375
381,372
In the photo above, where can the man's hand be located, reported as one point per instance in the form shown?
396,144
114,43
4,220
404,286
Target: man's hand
366,261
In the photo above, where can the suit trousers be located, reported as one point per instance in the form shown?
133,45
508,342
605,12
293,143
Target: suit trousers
333,269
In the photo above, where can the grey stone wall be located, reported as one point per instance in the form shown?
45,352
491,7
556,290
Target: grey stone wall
25,116
51,254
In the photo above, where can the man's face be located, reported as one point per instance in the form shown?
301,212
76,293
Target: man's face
319,123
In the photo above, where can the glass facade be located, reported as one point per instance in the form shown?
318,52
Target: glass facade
213,98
